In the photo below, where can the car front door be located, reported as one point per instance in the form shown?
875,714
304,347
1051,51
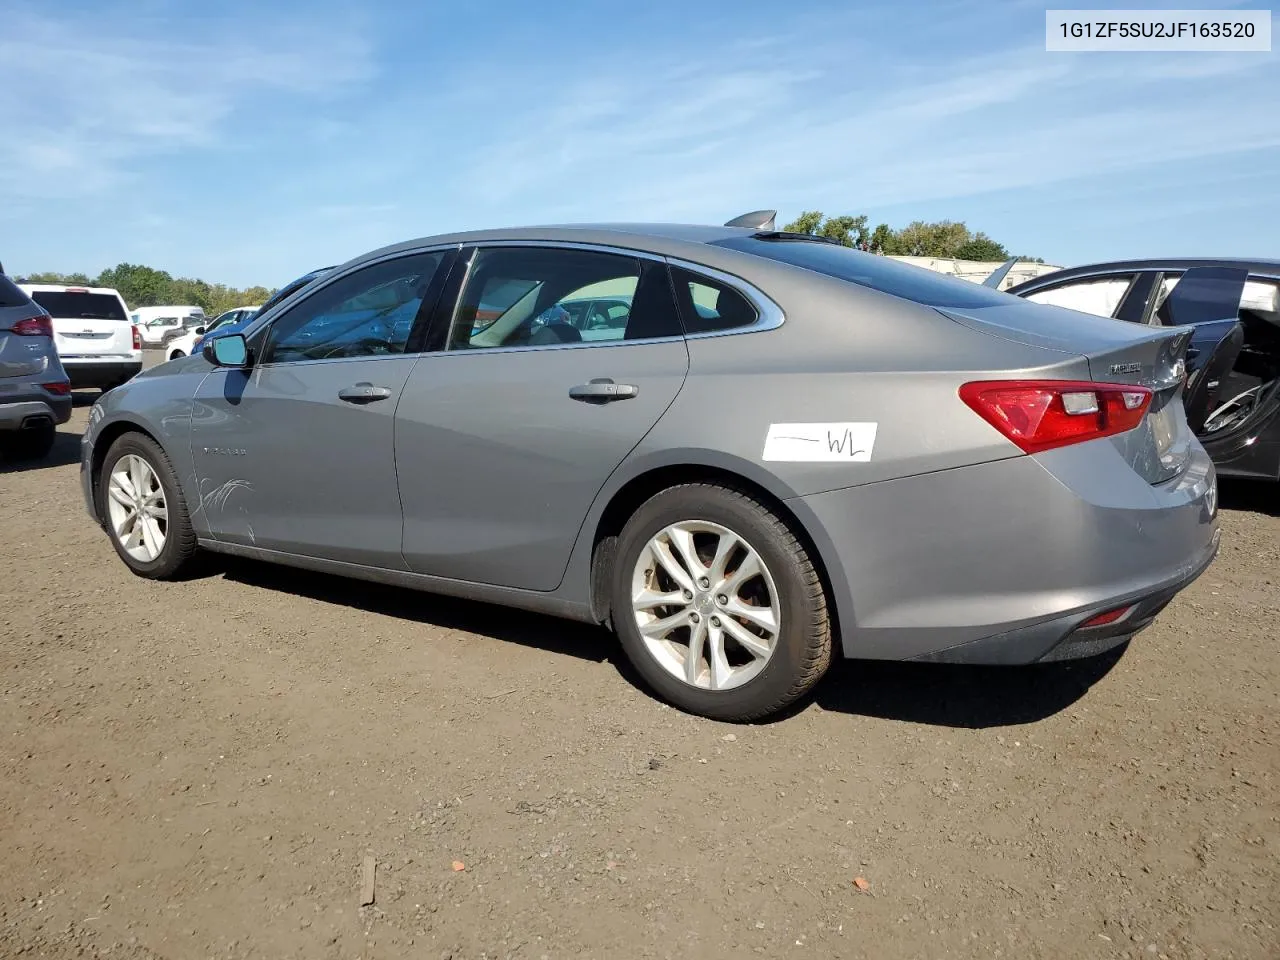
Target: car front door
508,430
295,453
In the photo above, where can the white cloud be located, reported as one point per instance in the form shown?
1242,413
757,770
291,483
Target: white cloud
88,94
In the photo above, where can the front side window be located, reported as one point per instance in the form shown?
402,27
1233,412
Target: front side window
369,313
1100,297
543,296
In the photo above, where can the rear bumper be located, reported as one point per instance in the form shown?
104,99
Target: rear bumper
85,372
1002,562
31,413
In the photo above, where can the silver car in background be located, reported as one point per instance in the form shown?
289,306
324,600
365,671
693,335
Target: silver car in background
35,393
788,450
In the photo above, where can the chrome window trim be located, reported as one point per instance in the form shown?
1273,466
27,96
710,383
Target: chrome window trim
769,315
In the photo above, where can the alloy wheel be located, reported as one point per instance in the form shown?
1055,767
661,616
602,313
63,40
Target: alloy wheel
137,509
705,604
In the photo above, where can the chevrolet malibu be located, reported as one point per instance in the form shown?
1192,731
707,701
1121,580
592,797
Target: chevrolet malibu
789,450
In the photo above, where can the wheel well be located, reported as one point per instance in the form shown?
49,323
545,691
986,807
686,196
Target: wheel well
109,435
639,489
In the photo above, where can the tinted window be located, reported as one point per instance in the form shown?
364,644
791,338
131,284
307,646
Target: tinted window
368,313
707,305
290,288
537,296
80,306
869,270
1099,296
10,295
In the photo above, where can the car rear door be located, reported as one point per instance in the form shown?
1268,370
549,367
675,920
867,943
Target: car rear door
508,430
1207,299
86,324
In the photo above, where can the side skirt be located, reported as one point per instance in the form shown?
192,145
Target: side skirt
502,596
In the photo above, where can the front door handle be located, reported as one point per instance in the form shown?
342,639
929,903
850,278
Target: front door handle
364,393
603,390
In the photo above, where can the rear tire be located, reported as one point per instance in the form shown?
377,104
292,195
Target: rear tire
34,443
763,640
177,552
176,354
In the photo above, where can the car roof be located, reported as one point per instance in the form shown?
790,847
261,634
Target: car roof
65,287
1253,265
659,238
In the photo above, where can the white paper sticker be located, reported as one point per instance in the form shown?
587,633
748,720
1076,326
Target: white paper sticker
820,442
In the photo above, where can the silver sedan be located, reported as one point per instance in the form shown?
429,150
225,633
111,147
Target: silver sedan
778,449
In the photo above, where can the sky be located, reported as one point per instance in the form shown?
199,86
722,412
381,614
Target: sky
248,142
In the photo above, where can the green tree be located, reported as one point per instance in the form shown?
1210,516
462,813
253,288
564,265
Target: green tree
847,230
140,286
981,247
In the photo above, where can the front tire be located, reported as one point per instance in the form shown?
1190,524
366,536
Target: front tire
718,604
176,354
145,512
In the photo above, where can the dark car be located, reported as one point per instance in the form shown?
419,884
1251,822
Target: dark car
1234,401
35,393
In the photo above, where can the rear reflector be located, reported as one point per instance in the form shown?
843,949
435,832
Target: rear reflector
1102,619
1042,414
137,339
34,327
60,389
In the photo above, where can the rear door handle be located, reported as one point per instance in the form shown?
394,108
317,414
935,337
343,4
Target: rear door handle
603,390
364,393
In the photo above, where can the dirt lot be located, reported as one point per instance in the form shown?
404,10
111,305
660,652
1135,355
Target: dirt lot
199,770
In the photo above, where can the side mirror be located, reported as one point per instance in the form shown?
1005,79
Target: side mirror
228,351
198,331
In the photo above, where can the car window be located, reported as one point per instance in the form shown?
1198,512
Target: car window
541,296
10,294
869,270
1259,296
368,313
80,306
1100,296
708,305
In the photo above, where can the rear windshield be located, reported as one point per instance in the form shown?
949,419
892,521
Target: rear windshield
869,270
80,306
10,295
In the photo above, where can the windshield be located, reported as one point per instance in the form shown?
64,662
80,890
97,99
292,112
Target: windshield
870,270
80,306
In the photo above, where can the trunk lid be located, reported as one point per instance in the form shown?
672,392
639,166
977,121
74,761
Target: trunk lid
20,356
87,324
1115,352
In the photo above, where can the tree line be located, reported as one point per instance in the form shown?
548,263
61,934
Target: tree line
143,286
945,238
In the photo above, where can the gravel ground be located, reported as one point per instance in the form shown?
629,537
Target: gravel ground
201,770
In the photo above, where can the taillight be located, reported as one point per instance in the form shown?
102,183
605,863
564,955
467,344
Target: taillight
41,326
1042,414
137,338
59,389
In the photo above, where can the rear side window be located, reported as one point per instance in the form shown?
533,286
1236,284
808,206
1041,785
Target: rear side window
80,306
544,296
869,270
10,294
707,305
